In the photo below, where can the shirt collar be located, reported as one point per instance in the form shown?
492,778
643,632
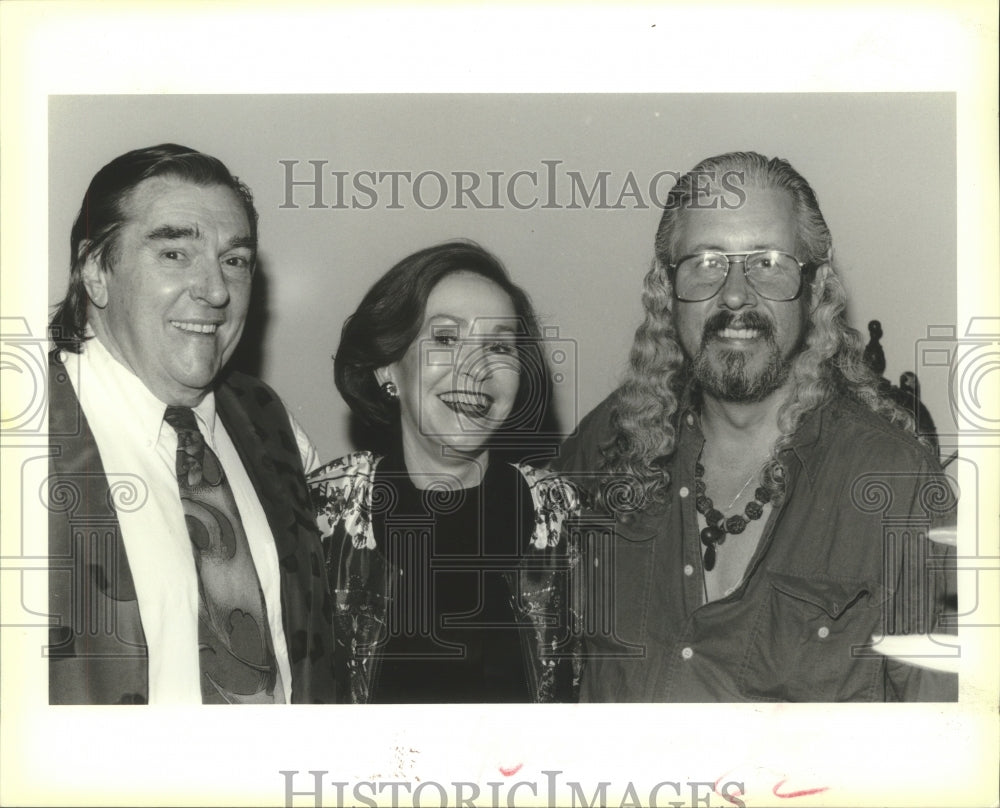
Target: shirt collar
803,445
205,412
805,442
119,385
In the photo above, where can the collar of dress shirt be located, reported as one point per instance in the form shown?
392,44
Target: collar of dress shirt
121,384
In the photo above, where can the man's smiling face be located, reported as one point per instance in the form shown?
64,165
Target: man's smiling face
173,306
741,345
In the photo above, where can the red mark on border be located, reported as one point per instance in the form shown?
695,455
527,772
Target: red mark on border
507,772
805,792
732,799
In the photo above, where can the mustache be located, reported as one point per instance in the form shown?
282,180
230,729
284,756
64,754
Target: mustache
727,319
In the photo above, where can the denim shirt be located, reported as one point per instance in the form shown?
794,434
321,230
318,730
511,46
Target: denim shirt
842,561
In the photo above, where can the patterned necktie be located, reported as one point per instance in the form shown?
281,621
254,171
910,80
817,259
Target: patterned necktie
236,653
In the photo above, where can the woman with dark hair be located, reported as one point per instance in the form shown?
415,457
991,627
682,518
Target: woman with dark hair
445,551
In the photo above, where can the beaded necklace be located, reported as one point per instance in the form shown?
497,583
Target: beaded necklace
714,534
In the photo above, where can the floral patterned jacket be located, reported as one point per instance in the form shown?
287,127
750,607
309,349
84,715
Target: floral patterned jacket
544,595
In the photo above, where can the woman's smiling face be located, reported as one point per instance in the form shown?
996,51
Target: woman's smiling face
459,378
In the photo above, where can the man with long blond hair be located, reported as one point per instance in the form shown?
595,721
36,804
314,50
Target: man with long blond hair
768,508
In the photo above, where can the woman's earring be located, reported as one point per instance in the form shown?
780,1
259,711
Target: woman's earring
390,390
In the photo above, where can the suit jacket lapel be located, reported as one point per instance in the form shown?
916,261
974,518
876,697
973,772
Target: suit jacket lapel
260,467
98,652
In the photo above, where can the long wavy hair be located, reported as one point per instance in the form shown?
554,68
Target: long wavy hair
658,382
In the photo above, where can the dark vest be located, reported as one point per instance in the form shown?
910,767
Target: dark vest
97,648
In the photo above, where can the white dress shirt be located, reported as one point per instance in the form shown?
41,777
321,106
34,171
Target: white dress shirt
138,449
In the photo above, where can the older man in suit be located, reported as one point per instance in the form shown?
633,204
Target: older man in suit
184,562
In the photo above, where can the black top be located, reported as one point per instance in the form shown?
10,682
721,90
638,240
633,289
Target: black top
452,631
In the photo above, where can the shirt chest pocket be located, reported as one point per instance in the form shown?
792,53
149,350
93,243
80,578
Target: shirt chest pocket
809,641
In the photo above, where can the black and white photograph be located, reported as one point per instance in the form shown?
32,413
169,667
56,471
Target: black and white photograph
413,404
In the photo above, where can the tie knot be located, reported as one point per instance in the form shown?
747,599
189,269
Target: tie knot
181,419
190,445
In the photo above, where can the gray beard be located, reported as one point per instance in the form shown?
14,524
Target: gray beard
730,381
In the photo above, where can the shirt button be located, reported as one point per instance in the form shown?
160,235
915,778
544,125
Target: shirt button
687,653
690,419
597,562
823,632
688,569
684,491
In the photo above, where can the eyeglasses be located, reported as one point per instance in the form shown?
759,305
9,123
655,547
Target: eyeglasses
772,274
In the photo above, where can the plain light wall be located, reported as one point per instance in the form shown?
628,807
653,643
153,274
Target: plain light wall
883,166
